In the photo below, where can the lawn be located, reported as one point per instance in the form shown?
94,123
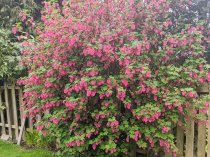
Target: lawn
12,150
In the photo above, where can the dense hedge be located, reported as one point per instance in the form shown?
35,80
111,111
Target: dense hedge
113,74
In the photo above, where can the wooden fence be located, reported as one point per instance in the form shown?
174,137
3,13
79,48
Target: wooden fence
11,98
193,142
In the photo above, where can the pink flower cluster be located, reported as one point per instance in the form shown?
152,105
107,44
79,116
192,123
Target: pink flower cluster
165,129
54,120
75,143
70,105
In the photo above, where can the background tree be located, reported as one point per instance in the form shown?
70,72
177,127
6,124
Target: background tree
10,10
200,10
9,45
10,24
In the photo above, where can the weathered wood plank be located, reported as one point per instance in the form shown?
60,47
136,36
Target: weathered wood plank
21,131
12,126
5,137
168,155
180,141
2,117
189,138
22,114
38,117
10,87
20,98
30,122
208,138
204,88
201,144
8,110
15,113
133,150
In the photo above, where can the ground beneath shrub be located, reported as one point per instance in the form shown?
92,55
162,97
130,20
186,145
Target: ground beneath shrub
12,150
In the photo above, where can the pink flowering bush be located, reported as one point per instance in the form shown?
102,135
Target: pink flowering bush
113,74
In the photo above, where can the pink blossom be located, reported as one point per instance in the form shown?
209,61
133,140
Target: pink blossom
190,94
136,135
154,91
148,75
208,77
184,93
128,105
201,80
77,116
113,150
147,46
93,73
165,129
180,108
94,145
98,125
151,141
125,83
39,127
70,105
55,120
14,30
108,94
127,139
121,95
44,133
89,135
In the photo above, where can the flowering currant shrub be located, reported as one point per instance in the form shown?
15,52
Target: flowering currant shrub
113,74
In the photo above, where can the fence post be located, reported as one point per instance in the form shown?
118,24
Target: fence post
208,138
15,112
132,152
189,138
2,117
180,141
8,110
20,97
201,144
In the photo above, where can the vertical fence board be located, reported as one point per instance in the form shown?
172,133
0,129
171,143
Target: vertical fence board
20,97
189,138
201,144
8,110
180,141
15,112
208,138
2,118
168,155
133,150
21,131
30,122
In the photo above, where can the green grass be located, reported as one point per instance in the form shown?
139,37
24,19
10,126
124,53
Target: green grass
12,150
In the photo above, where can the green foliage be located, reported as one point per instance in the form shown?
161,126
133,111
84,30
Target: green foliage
34,139
9,46
200,10
9,56
10,9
